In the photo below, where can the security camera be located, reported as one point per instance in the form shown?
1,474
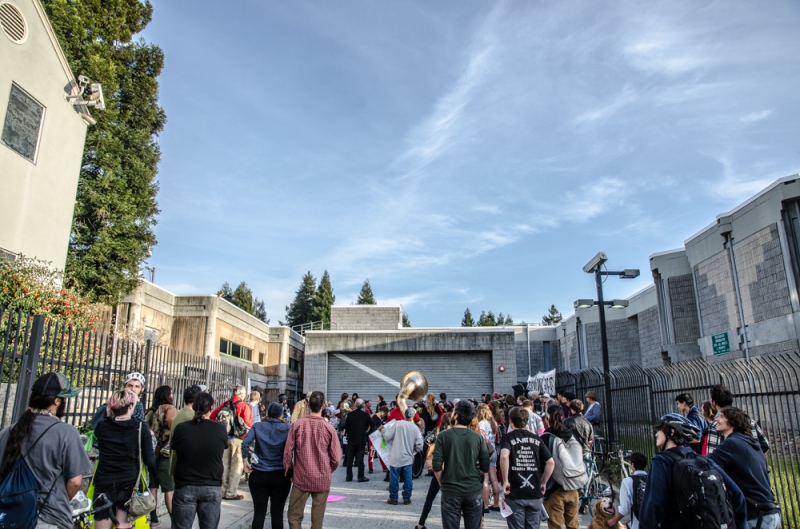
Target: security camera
83,80
596,262
96,96
88,119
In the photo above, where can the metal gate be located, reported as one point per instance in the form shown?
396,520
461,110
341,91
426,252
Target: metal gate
459,374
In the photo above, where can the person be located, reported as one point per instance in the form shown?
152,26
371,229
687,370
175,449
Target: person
185,414
343,400
526,465
564,399
198,487
377,421
122,443
300,409
312,453
685,404
741,457
708,414
488,428
510,403
52,449
630,487
433,488
562,505
581,428
460,458
721,397
287,414
358,425
133,381
431,413
396,415
159,419
255,405
269,484
232,459
368,407
660,505
406,441
593,410
535,424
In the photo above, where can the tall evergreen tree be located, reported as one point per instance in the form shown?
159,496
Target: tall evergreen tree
260,311
243,298
509,320
467,320
553,317
323,300
115,207
406,321
365,297
487,320
226,292
300,310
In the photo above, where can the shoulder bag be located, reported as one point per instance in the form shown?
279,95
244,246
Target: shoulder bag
140,504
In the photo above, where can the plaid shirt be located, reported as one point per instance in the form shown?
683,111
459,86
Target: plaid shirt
715,438
313,450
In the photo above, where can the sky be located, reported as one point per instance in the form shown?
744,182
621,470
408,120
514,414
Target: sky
460,154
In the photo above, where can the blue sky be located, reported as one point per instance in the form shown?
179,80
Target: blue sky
461,154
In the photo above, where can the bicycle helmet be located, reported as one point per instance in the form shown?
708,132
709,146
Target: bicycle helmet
683,430
135,376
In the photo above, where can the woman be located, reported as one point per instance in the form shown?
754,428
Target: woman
433,488
488,428
268,483
342,401
159,419
708,414
255,405
119,439
431,414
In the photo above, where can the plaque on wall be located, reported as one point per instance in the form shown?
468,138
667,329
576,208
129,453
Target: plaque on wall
23,123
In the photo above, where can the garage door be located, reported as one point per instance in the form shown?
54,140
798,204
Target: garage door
459,374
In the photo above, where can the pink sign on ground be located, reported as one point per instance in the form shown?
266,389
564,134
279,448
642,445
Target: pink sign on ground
335,498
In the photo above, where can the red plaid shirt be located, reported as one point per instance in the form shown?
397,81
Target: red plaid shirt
313,450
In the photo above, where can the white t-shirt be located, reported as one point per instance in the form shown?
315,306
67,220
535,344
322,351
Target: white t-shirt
626,499
488,434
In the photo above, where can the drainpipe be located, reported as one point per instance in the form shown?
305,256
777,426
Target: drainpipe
528,333
737,291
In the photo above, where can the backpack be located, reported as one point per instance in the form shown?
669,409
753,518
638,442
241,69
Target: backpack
638,486
234,424
700,493
157,422
19,494
570,471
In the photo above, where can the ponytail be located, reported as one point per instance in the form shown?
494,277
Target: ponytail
202,405
16,438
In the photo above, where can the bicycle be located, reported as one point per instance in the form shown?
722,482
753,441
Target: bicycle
599,451
598,487
623,458
83,513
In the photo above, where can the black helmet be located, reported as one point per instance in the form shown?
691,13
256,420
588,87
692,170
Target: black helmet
683,430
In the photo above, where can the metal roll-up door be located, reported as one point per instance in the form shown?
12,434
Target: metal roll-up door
459,374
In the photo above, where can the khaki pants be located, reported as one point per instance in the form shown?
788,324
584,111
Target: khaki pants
297,504
562,506
231,468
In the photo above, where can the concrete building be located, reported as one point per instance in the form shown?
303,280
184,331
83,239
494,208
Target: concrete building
209,326
42,136
367,350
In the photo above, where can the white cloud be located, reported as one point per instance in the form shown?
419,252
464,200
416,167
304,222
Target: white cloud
756,116
737,185
608,110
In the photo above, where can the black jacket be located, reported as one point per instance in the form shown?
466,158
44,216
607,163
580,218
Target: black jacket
118,443
358,425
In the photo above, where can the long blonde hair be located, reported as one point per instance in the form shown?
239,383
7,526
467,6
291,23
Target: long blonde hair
485,414
430,404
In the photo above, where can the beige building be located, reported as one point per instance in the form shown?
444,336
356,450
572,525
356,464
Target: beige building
41,139
209,326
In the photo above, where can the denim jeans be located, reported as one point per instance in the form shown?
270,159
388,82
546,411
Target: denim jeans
454,507
394,482
770,521
525,514
191,500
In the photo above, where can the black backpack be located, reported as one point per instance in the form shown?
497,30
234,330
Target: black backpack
639,482
700,493
233,423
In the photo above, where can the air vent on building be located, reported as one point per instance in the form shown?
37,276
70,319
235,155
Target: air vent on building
13,23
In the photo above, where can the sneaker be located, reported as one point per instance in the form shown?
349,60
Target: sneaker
406,502
370,471
391,502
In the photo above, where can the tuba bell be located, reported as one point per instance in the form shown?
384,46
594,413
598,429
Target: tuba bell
414,386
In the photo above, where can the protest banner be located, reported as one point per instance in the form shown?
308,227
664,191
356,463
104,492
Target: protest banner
543,383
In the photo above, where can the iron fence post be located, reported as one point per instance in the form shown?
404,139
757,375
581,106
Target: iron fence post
209,365
147,373
27,373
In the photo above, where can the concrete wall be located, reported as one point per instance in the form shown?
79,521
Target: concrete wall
366,318
38,199
650,345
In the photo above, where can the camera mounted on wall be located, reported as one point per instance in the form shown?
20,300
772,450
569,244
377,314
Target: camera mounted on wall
94,99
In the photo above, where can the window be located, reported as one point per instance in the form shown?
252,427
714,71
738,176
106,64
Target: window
23,124
5,255
261,359
791,221
546,355
294,365
235,350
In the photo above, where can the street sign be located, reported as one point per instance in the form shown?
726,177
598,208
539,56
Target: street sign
721,344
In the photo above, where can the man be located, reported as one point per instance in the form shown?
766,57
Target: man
685,404
593,411
358,425
406,441
740,456
396,415
523,456
535,424
184,414
631,486
300,409
232,458
721,397
368,407
52,449
312,453
460,459
134,382
581,428
287,413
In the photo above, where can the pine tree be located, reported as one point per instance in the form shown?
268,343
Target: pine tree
115,204
553,317
406,321
260,311
365,297
509,320
299,312
500,319
243,298
323,300
487,320
226,292
467,320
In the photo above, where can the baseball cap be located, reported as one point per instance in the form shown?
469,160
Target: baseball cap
410,412
54,385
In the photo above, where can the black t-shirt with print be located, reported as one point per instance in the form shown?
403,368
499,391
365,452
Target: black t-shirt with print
528,456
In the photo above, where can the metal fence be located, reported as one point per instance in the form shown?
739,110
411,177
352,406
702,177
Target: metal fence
97,363
767,388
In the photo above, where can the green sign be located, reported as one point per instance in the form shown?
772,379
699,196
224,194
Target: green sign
721,344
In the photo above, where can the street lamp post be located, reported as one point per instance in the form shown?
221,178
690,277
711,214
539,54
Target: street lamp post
595,266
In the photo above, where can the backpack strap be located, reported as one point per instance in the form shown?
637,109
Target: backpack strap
29,451
673,455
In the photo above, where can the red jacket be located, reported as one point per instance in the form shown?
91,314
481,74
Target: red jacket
242,410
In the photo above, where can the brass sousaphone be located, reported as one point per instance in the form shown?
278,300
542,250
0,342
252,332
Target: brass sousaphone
414,386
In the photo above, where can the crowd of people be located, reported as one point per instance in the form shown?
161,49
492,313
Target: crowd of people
510,454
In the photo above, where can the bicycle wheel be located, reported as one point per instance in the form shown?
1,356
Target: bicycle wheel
599,455
418,466
600,487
